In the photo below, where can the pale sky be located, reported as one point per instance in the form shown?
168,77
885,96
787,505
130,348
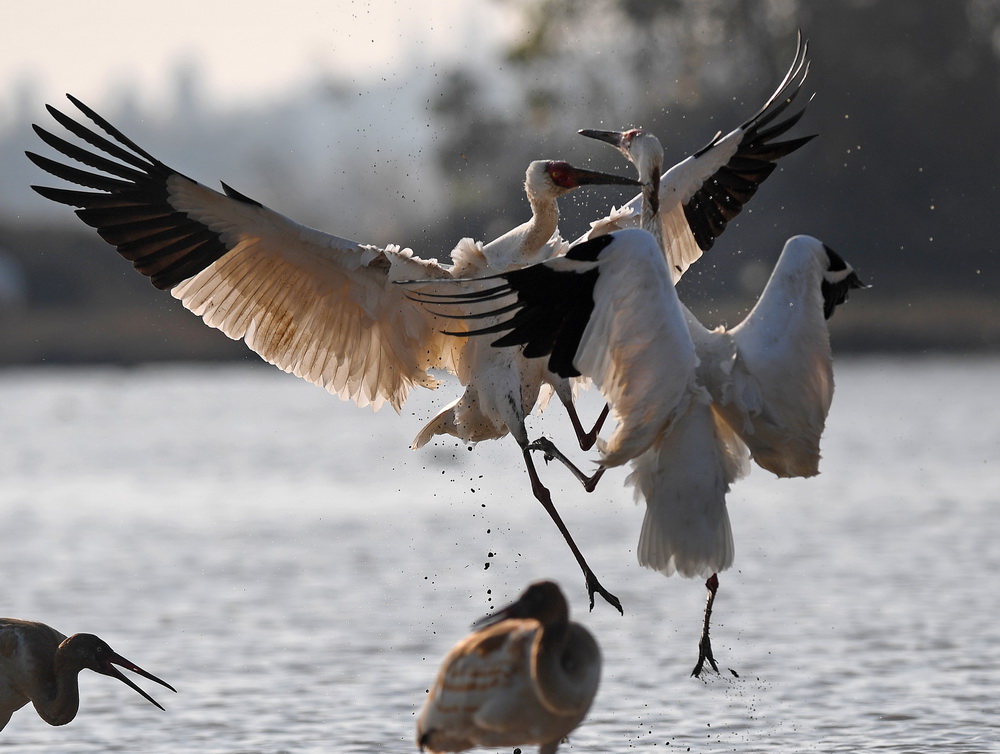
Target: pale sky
245,48
246,54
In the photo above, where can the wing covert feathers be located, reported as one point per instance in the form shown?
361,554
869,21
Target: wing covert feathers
318,306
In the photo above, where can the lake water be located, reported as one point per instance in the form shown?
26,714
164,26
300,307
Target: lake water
297,573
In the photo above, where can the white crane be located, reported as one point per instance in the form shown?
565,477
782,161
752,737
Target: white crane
527,675
689,206
323,307
645,152
313,304
40,665
686,208
698,197
687,401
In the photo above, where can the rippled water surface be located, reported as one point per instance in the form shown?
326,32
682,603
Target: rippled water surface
297,573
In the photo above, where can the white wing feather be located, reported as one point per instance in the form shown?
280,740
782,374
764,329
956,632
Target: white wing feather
677,186
318,306
636,347
783,378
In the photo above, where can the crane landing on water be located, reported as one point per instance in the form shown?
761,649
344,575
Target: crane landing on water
688,402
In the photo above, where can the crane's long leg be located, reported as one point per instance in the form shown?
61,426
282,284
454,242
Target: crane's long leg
705,645
550,450
543,496
586,439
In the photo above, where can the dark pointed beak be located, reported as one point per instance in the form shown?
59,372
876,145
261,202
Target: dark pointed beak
592,177
614,138
513,610
112,671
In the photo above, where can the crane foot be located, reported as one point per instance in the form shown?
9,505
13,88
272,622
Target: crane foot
594,586
705,645
704,653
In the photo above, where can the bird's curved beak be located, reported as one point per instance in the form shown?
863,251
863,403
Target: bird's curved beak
614,138
593,177
111,670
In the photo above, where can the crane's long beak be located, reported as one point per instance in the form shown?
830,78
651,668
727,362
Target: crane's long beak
614,138
112,671
593,177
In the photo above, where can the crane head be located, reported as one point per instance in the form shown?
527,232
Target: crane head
641,149
556,177
620,140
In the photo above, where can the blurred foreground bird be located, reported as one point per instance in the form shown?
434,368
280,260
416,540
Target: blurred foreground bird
40,665
527,675
687,401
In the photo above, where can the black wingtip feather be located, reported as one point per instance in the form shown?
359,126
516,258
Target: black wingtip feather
722,196
109,129
131,208
551,312
233,193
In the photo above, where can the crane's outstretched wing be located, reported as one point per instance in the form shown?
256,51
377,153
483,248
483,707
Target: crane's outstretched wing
700,195
783,376
318,306
607,310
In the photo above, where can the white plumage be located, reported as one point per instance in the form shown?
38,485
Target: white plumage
701,194
319,306
770,382
687,401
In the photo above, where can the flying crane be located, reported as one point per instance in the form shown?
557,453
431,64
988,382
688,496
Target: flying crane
313,304
688,402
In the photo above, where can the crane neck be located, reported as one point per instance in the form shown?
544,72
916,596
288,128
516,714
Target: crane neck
539,229
59,698
650,216
520,246
544,216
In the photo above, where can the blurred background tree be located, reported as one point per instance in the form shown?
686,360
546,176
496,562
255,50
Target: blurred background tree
901,180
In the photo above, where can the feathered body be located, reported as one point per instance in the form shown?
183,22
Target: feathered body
688,402
528,679
502,388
